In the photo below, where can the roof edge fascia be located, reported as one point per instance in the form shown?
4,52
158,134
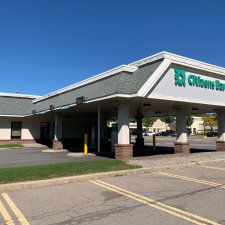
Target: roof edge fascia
194,63
149,59
86,102
20,116
119,69
178,58
2,94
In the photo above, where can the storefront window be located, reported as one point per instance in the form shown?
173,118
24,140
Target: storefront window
16,129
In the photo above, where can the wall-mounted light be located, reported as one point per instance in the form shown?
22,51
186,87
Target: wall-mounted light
80,100
51,107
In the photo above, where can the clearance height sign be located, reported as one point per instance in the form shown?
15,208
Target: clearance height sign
182,79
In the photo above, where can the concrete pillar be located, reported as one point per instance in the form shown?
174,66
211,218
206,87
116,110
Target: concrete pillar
220,143
139,139
57,142
181,145
123,150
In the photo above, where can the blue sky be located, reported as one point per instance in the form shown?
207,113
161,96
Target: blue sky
49,44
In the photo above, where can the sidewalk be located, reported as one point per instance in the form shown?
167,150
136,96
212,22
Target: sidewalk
173,160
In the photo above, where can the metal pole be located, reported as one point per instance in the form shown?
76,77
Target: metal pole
56,128
154,144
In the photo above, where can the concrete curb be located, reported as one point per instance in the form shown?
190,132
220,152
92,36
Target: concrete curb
79,154
82,178
10,148
53,151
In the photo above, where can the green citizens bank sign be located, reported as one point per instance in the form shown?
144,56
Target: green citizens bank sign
181,79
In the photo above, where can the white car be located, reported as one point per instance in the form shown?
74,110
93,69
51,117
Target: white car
148,133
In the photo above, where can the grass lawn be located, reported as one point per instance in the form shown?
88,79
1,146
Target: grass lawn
31,173
11,146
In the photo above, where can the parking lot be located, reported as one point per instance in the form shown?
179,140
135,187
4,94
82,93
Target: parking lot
196,142
34,156
193,195
179,195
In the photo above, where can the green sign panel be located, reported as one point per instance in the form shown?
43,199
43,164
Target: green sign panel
115,127
181,79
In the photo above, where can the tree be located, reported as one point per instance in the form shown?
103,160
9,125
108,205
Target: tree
148,122
169,119
209,120
189,120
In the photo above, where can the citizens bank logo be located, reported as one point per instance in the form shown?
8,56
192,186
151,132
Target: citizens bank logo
181,79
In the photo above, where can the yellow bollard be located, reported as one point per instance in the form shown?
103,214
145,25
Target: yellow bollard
85,144
153,142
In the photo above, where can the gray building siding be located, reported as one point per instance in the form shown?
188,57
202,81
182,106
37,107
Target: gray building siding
122,83
14,105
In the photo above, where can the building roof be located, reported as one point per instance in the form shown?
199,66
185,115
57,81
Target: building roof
135,79
126,83
15,105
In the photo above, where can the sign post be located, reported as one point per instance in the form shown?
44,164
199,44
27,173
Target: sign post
153,144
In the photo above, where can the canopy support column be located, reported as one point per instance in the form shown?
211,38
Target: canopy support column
57,142
181,145
123,150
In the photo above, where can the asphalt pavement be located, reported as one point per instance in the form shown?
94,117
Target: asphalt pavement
28,156
193,195
181,195
35,156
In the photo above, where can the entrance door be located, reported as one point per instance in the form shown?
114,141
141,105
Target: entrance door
45,132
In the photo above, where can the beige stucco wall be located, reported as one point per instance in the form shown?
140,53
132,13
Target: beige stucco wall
5,129
158,126
30,130
197,125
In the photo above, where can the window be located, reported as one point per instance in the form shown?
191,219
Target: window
16,129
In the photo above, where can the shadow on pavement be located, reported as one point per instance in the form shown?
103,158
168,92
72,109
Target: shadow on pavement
148,151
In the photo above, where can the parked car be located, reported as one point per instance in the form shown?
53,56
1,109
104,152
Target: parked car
148,133
212,134
173,134
168,133
163,133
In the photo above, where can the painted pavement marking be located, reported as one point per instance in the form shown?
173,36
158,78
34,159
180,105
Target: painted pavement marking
5,215
158,205
214,168
15,210
192,179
